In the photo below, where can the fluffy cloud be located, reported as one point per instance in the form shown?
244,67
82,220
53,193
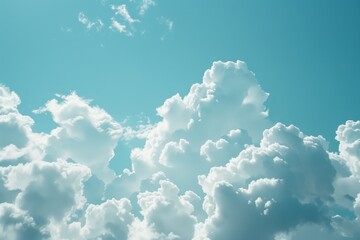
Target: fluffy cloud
229,98
17,224
285,182
47,190
109,220
211,168
86,134
165,210
17,141
348,136
14,127
9,100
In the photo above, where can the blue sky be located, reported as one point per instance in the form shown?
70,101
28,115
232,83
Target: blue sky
305,54
141,114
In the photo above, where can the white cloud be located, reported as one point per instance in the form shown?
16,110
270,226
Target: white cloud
98,23
17,141
349,137
285,182
122,11
207,170
225,148
116,26
145,5
165,209
17,224
229,98
122,18
9,100
47,190
85,134
109,220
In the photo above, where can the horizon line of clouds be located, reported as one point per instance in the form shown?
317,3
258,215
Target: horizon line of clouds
213,167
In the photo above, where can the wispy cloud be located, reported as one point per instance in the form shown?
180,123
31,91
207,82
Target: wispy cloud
116,26
121,20
98,23
145,5
122,11
169,24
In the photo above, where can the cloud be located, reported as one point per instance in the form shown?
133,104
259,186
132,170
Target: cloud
285,182
14,127
9,100
164,209
145,5
167,22
17,224
349,137
120,20
213,167
85,134
116,26
122,11
109,220
347,183
47,190
97,24
18,143
128,27
229,98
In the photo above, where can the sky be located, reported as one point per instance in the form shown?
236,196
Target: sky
239,119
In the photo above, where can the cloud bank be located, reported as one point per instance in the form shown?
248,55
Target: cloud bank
214,167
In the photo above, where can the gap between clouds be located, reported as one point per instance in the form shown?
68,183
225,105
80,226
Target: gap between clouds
214,167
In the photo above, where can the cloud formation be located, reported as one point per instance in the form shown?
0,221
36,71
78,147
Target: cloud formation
213,167
284,182
17,224
85,134
126,18
145,5
97,24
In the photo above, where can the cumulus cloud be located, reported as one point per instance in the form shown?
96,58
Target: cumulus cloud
109,220
285,182
9,100
213,167
17,224
348,136
160,206
18,143
85,134
229,98
47,190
